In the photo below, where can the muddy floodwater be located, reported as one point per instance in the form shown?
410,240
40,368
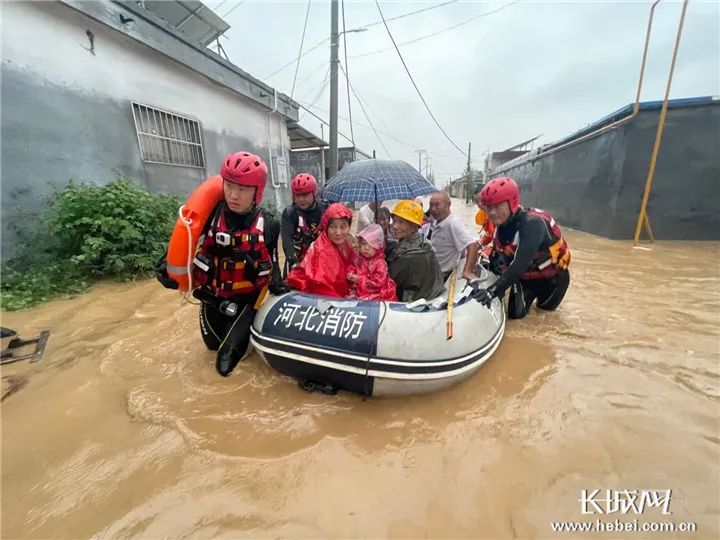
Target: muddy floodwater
124,429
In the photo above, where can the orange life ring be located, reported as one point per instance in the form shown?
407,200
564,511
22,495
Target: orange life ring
193,215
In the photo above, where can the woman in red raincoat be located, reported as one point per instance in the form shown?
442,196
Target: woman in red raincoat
326,264
370,272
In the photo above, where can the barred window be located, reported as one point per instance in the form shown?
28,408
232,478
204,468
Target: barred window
168,138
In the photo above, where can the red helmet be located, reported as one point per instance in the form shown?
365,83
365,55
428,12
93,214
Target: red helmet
499,190
246,169
304,183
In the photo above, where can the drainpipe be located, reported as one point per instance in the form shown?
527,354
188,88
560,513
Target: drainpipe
269,142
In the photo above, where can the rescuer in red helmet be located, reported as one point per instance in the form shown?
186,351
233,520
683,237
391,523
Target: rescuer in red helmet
235,261
300,220
529,252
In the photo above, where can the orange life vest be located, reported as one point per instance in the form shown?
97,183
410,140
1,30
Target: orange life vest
232,263
553,254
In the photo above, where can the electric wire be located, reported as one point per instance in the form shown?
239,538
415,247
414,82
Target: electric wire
427,107
302,42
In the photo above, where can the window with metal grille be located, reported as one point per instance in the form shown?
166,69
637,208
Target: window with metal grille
168,138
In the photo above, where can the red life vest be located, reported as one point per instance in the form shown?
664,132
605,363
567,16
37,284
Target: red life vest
552,256
302,238
232,263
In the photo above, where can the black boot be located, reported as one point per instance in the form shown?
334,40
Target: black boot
227,359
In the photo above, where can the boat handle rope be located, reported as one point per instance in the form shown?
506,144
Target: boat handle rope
187,222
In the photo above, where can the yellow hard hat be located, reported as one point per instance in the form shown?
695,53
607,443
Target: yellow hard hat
481,217
409,210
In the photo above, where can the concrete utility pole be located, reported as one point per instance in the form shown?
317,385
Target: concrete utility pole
469,180
420,153
334,39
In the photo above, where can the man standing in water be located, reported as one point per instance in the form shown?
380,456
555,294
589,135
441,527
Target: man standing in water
529,253
450,239
300,220
236,262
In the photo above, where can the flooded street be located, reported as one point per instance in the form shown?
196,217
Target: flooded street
125,430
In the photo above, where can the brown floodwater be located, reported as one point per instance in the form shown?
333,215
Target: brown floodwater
124,429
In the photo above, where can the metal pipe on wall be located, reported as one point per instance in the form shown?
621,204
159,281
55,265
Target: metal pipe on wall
642,216
618,123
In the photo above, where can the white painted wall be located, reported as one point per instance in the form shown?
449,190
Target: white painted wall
49,40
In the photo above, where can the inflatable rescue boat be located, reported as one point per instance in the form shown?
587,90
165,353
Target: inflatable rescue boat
378,348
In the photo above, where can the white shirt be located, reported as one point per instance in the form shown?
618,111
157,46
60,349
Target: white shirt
449,238
365,217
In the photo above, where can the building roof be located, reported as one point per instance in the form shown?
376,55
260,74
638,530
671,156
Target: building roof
148,28
301,138
193,18
627,109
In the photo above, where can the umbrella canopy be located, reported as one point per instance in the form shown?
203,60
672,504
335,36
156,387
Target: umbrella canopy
377,179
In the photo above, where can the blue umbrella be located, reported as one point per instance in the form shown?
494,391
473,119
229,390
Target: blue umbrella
377,180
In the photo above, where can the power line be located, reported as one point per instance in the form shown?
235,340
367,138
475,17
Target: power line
408,14
322,88
453,27
240,3
415,85
302,42
347,77
323,121
365,112
312,72
365,26
291,62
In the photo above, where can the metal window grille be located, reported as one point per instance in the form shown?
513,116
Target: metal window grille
168,138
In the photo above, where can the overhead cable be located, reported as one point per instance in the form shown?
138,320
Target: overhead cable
415,85
302,42
359,27
453,27
347,77
240,3
362,107
323,121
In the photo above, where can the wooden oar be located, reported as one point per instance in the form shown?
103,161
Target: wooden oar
451,302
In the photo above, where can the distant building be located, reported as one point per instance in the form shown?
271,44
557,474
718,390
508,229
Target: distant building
315,160
93,90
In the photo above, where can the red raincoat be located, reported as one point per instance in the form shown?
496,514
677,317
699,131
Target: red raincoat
325,267
373,279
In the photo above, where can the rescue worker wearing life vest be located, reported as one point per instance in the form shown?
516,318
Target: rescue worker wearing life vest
300,220
529,253
235,262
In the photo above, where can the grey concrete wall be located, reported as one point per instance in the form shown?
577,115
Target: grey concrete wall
596,186
74,121
685,198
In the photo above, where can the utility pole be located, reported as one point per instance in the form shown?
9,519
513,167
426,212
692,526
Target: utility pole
420,153
469,179
334,39
322,156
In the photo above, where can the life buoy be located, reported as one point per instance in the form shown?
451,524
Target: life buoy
188,228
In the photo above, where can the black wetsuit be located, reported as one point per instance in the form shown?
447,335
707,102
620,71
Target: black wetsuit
225,323
294,242
533,237
224,331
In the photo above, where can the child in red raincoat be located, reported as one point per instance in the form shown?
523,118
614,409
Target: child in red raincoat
327,262
369,274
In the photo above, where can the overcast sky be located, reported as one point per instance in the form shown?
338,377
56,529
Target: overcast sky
531,68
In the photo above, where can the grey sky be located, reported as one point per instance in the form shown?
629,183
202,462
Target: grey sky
532,68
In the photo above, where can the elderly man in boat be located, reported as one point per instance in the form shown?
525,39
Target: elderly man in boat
411,260
451,241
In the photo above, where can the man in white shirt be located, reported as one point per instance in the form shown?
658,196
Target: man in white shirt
366,215
450,239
